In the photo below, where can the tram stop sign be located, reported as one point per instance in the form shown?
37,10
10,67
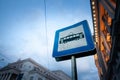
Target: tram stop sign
75,40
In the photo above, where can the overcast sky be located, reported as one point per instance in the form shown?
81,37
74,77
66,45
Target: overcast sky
24,32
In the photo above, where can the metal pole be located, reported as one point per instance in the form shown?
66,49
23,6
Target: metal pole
74,68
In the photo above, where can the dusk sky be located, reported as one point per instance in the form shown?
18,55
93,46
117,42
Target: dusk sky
24,32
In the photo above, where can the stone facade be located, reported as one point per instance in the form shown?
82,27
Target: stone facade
28,69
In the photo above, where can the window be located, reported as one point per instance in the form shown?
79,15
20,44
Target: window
31,78
29,66
20,76
20,65
40,78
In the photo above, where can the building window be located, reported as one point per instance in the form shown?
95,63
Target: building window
14,67
20,65
29,66
40,78
20,76
31,78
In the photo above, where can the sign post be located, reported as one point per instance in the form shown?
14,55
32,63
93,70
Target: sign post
73,42
74,68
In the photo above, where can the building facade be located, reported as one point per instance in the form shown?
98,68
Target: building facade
106,23
61,74
28,69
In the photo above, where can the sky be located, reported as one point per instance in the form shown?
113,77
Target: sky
27,30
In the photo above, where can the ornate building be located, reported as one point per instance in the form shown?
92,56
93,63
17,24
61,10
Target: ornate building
106,23
28,69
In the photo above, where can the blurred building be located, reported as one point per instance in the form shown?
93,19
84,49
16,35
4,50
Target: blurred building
106,23
28,69
62,75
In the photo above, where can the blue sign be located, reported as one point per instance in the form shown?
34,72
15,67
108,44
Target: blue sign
72,40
